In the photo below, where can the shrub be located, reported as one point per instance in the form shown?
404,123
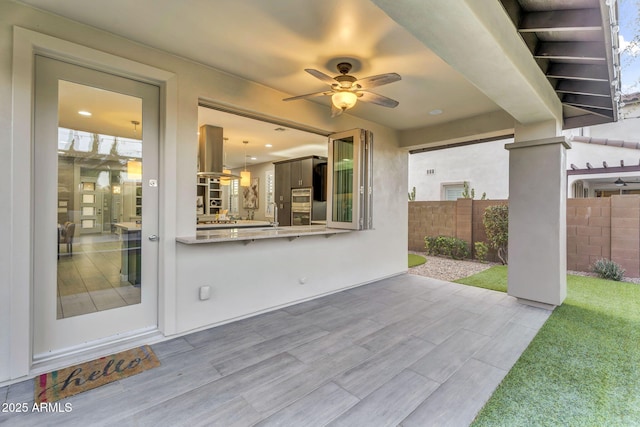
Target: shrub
496,225
481,251
451,247
607,269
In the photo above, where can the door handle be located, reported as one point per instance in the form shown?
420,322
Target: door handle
154,238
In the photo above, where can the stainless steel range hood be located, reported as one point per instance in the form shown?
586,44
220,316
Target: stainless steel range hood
210,152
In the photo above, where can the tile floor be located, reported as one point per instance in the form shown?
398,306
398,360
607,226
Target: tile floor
405,351
89,281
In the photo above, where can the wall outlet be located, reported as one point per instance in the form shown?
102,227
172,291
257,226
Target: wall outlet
205,293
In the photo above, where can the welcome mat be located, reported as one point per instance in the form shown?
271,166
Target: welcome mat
66,382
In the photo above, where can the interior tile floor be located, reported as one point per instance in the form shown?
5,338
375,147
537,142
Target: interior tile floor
404,351
89,279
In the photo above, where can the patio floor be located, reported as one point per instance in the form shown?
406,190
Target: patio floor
409,351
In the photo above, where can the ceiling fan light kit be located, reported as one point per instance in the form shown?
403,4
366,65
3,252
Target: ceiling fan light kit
346,89
344,100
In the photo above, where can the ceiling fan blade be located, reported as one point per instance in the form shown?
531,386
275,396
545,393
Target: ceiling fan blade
379,80
374,98
309,95
321,76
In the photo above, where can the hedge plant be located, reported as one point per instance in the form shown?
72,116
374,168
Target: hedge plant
451,247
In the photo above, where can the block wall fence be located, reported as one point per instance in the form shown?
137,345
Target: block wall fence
596,228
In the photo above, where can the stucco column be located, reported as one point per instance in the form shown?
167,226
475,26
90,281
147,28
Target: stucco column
537,221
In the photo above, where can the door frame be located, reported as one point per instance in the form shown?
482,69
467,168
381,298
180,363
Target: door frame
26,44
52,334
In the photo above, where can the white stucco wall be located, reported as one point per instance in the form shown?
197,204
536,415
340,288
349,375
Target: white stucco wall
244,279
627,129
485,166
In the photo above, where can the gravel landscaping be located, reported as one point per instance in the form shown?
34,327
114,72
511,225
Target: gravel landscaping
451,269
446,268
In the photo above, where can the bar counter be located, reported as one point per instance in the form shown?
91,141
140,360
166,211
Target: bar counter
248,235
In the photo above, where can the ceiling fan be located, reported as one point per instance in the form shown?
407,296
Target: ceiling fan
346,89
620,183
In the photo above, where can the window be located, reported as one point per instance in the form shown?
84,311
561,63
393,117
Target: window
452,191
234,192
269,180
350,180
578,190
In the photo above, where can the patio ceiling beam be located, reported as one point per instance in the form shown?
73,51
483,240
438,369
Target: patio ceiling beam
579,72
585,120
611,170
584,88
594,112
563,51
587,101
562,20
480,41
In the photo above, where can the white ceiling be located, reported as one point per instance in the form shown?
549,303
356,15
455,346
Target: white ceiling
111,113
286,143
272,42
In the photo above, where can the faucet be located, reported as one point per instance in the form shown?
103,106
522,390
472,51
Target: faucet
274,223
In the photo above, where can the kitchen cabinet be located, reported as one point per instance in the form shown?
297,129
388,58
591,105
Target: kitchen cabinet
304,172
282,191
283,182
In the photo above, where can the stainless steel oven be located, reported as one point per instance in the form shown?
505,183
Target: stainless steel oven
301,204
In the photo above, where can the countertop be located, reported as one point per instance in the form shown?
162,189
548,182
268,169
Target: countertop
248,235
128,226
241,223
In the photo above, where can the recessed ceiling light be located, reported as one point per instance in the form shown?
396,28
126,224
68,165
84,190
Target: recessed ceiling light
435,112
84,113
254,158
268,145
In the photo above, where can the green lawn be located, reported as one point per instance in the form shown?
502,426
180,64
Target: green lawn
583,366
416,260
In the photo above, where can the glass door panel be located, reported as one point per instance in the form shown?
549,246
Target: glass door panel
91,130
342,209
100,270
350,180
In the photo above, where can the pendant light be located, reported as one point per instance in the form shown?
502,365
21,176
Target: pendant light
134,170
134,166
245,175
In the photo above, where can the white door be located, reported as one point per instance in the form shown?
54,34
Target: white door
95,244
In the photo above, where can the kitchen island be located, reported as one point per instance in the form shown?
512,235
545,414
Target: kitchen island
130,235
248,235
